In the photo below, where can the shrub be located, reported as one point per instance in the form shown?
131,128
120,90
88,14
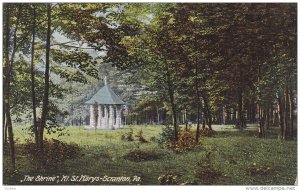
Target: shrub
152,139
255,170
207,132
140,137
138,155
128,136
166,136
55,152
186,141
168,179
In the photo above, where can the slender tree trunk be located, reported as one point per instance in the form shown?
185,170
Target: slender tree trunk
268,116
35,130
271,115
46,88
172,101
158,117
207,113
198,122
5,133
4,123
238,124
261,117
253,111
203,121
186,120
281,115
10,135
228,115
6,86
199,108
286,113
223,116
233,119
291,98
244,115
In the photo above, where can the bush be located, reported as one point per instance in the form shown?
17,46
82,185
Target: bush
207,132
153,139
55,152
128,136
255,170
166,136
168,179
138,155
140,137
186,141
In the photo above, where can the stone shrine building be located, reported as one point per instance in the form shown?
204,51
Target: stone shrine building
105,109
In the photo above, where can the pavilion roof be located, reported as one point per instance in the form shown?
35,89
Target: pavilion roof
105,96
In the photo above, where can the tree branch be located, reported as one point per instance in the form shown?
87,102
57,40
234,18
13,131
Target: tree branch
63,43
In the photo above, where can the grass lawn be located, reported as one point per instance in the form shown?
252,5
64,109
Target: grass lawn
239,156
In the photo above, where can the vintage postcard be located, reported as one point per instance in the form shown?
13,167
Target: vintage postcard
150,93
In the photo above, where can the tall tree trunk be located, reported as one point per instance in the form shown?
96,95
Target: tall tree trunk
35,130
286,113
207,112
172,101
186,120
271,115
199,108
281,115
268,116
261,117
228,116
239,122
4,123
10,133
158,117
199,102
223,122
198,122
203,120
46,88
233,118
253,110
5,133
291,98
6,86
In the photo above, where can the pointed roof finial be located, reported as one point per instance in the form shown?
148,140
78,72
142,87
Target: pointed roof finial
105,83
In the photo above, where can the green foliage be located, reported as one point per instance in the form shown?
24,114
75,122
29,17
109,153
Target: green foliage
138,155
166,136
255,170
128,136
186,141
168,179
153,139
55,152
206,173
140,137
232,154
207,132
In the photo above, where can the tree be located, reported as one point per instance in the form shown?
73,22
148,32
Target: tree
8,67
35,128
